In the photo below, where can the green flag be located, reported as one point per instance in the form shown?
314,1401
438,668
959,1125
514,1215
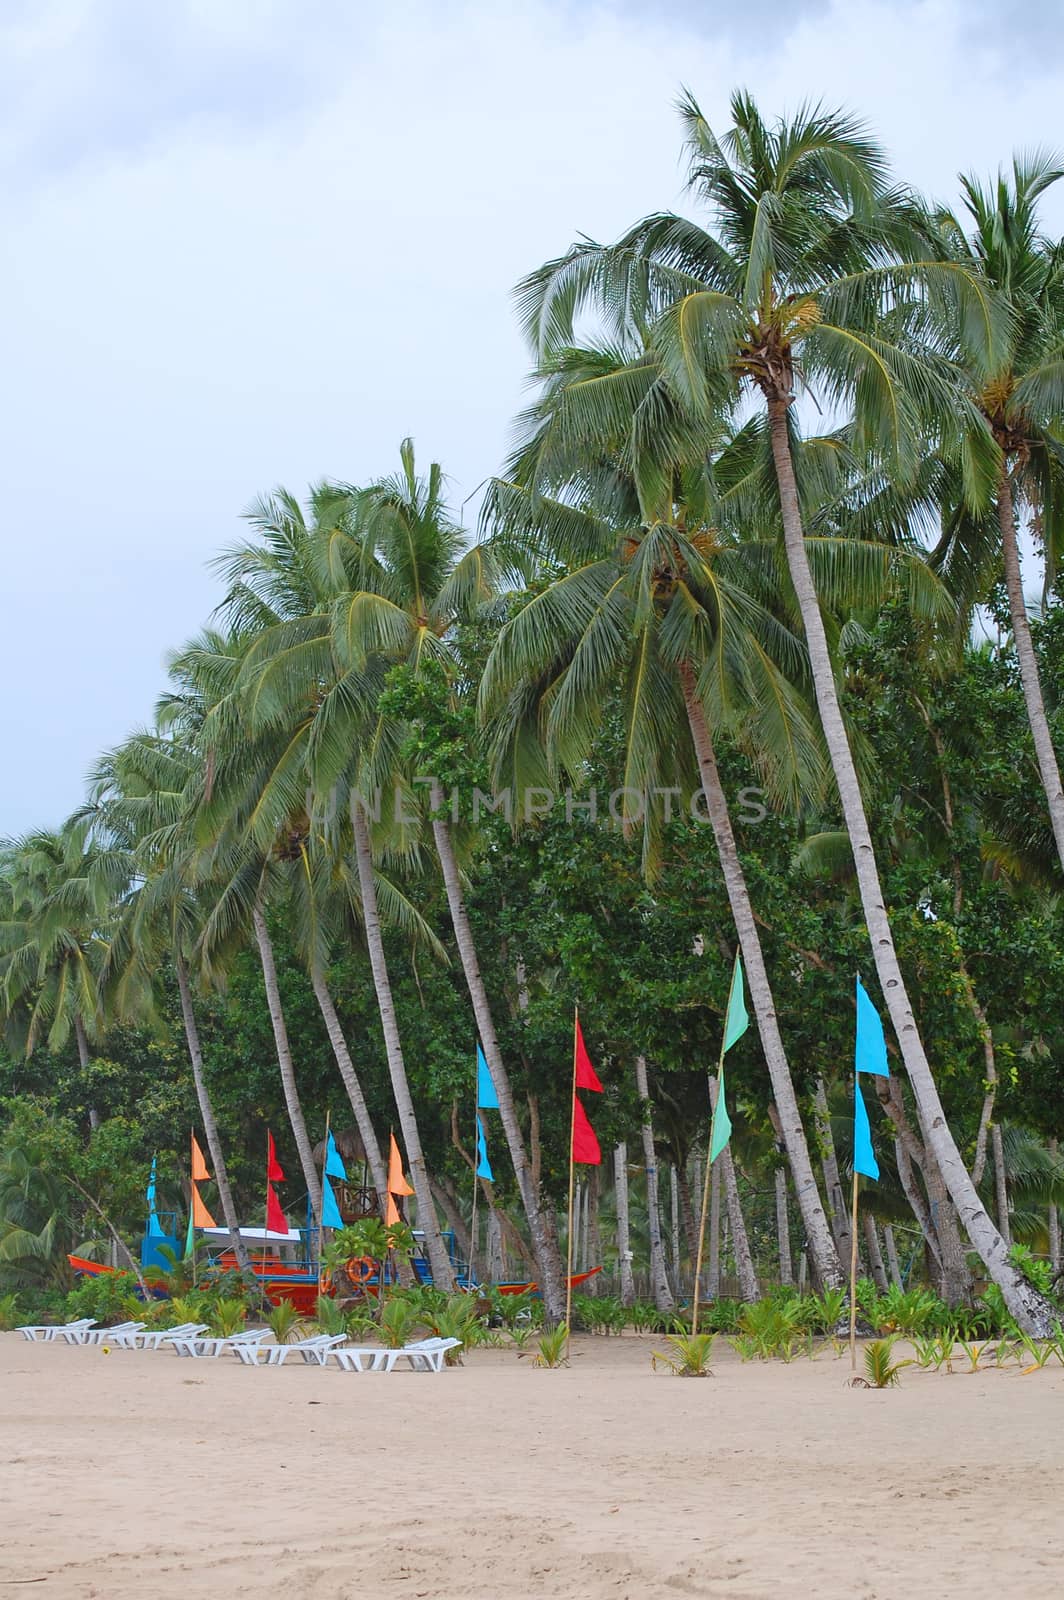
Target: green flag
737,1021
190,1237
720,1132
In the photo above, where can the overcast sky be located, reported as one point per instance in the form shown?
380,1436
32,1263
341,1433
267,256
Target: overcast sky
259,241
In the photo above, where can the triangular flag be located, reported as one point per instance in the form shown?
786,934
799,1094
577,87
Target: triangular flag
870,1051
391,1213
736,1022
397,1184
586,1076
487,1098
330,1211
864,1158
200,1215
155,1227
276,1221
720,1130
190,1237
585,1145
483,1164
199,1166
274,1171
334,1165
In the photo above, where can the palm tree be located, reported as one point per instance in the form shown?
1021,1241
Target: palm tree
658,600
811,279
1021,399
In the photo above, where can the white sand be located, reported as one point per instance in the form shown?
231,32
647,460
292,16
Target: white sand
140,1475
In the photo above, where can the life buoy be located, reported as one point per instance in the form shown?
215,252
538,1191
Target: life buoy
360,1269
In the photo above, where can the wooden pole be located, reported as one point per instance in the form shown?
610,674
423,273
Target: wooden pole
853,1281
321,1214
705,1198
471,1273
572,1178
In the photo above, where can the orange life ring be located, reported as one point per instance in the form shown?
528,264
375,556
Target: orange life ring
360,1269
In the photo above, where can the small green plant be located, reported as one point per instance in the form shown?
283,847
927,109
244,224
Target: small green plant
282,1319
687,1356
9,1312
905,1311
880,1371
520,1335
329,1315
398,1322
828,1310
553,1348
227,1318
973,1349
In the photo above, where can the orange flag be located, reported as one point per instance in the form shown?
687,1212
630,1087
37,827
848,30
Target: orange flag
199,1166
201,1217
397,1184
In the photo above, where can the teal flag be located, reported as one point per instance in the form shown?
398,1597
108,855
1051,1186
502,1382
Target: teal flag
155,1227
334,1165
330,1211
870,1051
720,1132
864,1157
190,1237
483,1164
736,1022
487,1098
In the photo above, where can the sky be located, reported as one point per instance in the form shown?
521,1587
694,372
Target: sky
260,242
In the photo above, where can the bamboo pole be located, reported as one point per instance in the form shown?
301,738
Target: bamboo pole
572,1178
853,1281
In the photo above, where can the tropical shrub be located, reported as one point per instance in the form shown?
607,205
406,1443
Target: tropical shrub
687,1356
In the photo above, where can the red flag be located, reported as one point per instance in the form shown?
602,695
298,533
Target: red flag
585,1144
586,1076
276,1221
274,1172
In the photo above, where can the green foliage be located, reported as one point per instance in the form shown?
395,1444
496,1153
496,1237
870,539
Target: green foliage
553,1348
600,1314
10,1314
227,1317
881,1372
282,1318
399,1321
105,1297
330,1316
687,1356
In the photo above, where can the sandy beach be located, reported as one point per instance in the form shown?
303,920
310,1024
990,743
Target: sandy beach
140,1475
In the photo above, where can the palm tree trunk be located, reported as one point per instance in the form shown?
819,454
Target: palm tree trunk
84,1059
284,1059
713,1270
687,1213
659,1281
674,1224
439,1261
875,1254
1054,1224
210,1127
1001,1186
839,1210
593,1231
1048,766
1030,1308
624,1249
892,1256
548,1261
783,1229
363,1120
826,1263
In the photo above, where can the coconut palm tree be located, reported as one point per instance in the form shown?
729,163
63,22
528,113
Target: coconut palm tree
1021,399
811,279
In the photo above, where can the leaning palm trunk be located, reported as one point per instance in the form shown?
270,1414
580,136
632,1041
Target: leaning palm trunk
284,1059
548,1262
659,1278
826,1264
624,1249
210,1127
783,1229
892,1257
1048,766
1030,1309
363,1120
439,1261
84,1058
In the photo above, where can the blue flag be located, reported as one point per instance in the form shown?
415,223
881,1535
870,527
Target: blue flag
334,1165
487,1099
864,1158
870,1052
154,1225
483,1164
330,1211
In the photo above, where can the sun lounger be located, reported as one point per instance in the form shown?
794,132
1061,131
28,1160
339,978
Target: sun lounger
425,1355
44,1333
151,1338
314,1351
198,1346
108,1335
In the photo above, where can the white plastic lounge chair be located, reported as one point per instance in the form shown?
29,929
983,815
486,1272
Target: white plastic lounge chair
214,1348
45,1332
151,1338
425,1355
315,1350
107,1335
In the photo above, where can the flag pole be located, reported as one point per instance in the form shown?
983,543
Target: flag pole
476,1181
853,1278
572,1176
705,1192
324,1181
